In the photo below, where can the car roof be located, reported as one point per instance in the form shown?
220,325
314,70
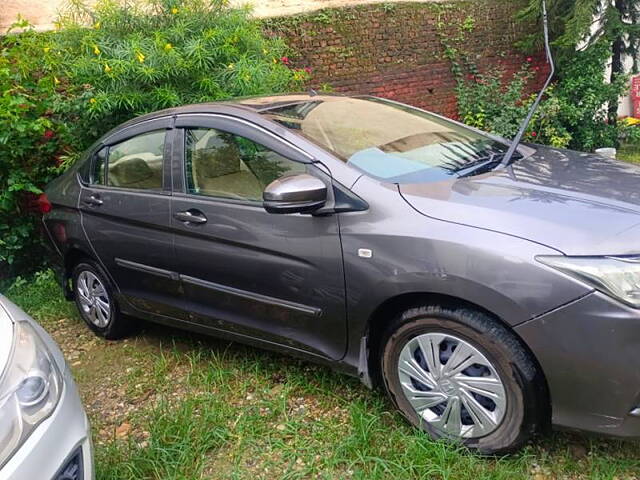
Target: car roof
255,104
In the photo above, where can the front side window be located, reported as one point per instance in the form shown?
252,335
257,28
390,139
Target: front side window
388,141
137,162
220,164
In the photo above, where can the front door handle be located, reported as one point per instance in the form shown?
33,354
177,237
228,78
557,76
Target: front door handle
191,216
93,201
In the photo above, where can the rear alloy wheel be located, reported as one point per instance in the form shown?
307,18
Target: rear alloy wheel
96,303
460,375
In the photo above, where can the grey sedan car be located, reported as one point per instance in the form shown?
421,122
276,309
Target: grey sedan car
488,300
44,432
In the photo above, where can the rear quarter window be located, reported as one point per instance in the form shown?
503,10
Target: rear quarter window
97,165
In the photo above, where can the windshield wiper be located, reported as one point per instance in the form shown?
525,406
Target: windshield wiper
474,166
485,164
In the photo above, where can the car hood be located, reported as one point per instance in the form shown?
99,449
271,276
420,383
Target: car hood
577,203
6,338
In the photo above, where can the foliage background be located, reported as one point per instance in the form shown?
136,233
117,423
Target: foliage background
63,89
572,114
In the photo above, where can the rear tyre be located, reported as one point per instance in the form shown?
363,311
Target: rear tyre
96,303
460,375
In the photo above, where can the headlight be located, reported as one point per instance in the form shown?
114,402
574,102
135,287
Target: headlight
29,389
618,277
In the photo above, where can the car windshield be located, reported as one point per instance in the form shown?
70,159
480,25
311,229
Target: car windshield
389,141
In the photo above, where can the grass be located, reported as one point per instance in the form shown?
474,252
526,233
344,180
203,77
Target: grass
171,405
629,153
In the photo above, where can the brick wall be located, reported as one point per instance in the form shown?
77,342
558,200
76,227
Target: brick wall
395,51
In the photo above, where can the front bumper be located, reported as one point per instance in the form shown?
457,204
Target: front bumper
589,352
52,446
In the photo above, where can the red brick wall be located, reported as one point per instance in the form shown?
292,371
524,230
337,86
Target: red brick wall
396,50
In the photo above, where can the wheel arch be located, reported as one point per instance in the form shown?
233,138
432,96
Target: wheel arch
377,326
72,257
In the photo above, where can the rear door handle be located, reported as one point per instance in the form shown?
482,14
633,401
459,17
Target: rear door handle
191,216
93,201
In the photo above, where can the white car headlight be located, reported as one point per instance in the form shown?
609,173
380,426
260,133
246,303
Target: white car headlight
618,277
29,389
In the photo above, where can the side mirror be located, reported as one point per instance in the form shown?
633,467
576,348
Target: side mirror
301,193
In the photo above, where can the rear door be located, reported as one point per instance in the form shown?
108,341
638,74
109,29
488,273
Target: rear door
126,215
276,278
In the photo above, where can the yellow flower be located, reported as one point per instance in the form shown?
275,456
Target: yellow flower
56,81
275,60
168,47
174,10
265,51
96,50
231,66
96,25
107,68
92,100
46,49
140,57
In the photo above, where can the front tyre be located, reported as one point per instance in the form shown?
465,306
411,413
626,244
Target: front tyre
458,374
96,303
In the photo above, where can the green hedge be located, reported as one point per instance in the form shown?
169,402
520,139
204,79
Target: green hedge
573,112
106,64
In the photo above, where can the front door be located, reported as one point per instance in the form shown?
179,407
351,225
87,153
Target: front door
125,211
276,278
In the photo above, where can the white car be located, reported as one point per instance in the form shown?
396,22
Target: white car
44,431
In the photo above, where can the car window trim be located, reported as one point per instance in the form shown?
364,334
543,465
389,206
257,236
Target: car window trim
124,133
109,188
226,200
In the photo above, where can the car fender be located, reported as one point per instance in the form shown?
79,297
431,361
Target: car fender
392,251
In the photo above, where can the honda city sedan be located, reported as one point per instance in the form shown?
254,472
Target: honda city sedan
489,296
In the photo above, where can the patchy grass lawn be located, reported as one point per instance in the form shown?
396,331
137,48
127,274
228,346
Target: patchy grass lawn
171,405
629,153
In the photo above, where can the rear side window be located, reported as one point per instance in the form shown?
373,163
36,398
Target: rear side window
135,163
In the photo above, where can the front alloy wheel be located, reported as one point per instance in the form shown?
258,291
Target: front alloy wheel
451,385
459,374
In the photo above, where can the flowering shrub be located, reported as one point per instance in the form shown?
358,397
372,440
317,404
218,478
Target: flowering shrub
164,53
33,142
106,64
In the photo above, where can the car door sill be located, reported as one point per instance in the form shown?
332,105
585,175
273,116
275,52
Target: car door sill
229,335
